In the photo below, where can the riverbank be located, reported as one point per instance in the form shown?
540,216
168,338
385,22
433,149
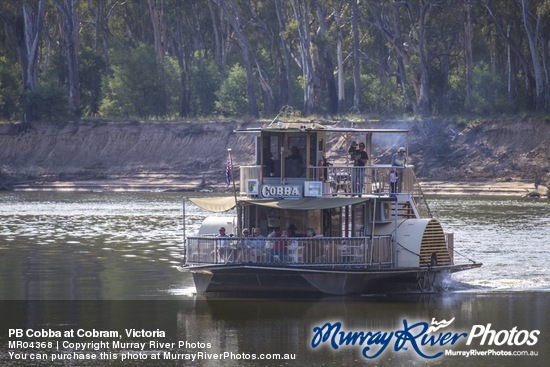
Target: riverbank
501,157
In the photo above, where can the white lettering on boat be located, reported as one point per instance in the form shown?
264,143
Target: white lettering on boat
287,191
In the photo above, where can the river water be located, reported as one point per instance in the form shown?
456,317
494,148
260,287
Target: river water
79,262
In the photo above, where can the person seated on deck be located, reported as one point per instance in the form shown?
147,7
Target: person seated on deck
243,246
280,245
223,245
314,249
292,231
257,244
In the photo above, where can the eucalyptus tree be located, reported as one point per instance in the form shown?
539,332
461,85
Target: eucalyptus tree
232,12
26,29
533,13
405,25
509,26
69,11
356,58
302,13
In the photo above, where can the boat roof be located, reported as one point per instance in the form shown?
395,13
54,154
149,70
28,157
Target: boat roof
281,126
225,203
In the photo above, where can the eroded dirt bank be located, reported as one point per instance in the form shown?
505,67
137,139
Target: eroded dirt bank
192,155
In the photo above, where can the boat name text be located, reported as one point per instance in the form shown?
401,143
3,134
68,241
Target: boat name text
287,191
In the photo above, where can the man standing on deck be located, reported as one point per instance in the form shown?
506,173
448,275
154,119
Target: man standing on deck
398,160
360,158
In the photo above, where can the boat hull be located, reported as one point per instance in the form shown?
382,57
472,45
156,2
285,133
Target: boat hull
253,278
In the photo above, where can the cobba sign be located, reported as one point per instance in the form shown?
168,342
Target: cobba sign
281,191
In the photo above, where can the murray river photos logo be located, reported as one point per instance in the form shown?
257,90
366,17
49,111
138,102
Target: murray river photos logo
427,340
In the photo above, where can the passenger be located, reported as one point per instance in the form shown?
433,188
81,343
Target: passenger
292,231
258,244
323,170
314,249
294,163
280,245
243,246
393,181
360,158
399,160
311,233
224,245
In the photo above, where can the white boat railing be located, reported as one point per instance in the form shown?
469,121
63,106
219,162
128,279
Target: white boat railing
374,252
352,180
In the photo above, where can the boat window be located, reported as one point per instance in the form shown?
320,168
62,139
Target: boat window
332,222
271,155
359,220
313,150
314,220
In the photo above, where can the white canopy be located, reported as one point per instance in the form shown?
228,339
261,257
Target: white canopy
222,204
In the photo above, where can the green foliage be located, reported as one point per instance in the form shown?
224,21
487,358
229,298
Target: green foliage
489,94
91,69
48,102
231,97
380,98
205,80
9,89
138,86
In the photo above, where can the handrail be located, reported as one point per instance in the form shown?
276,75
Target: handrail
353,180
317,251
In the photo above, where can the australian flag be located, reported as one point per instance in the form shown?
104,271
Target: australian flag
228,172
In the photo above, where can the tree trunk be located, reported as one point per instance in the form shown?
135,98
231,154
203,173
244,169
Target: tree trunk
232,14
340,58
532,33
28,36
356,59
324,77
156,10
285,82
468,39
69,12
301,13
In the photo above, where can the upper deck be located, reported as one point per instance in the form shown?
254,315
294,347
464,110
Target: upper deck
292,161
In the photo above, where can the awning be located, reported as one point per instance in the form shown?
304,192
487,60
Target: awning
223,204
215,204
305,203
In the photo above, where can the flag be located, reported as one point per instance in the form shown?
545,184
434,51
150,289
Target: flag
228,171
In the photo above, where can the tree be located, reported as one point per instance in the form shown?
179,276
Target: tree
68,9
532,24
27,32
356,58
232,13
301,15
136,87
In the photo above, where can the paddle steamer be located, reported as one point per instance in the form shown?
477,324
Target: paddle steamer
325,228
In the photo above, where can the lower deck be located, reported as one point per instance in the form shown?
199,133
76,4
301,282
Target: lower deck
367,251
